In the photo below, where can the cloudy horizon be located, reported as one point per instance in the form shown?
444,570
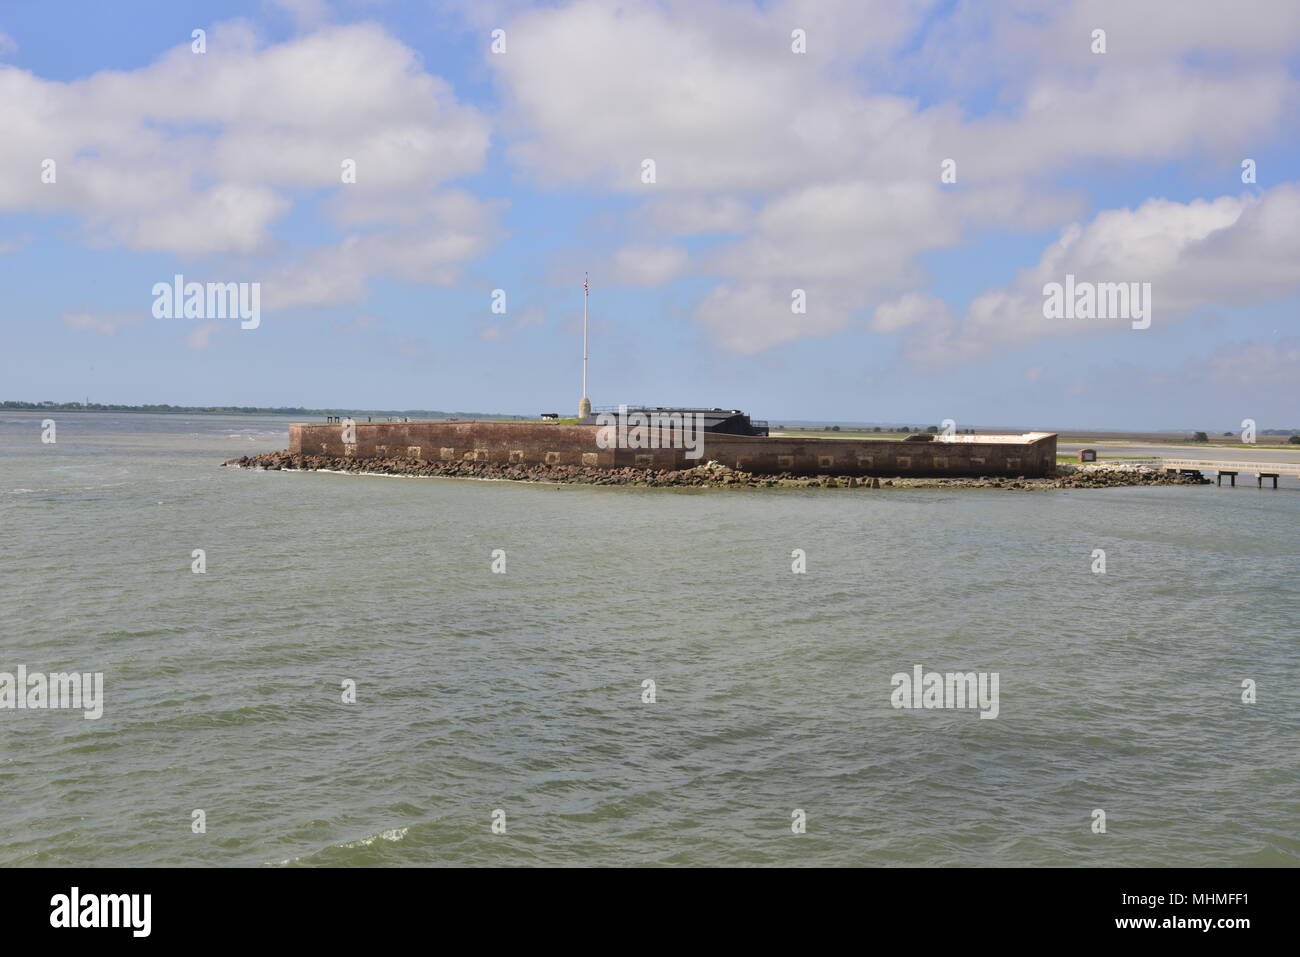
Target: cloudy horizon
808,210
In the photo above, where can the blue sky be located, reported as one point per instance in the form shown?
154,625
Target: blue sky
776,170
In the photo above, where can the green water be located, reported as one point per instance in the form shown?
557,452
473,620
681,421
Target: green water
522,691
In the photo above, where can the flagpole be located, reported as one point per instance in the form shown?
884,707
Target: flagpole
584,405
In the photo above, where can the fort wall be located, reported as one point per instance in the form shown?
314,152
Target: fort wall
530,443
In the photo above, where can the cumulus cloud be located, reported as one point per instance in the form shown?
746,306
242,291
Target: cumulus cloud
825,177
648,265
694,215
909,311
454,227
838,243
803,171
1231,250
201,154
753,316
712,93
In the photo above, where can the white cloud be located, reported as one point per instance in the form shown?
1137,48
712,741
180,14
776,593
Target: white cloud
1233,250
829,179
1252,365
200,337
305,13
843,244
104,325
1014,44
649,265
811,171
712,93
694,215
201,154
231,217
910,310
754,316
454,228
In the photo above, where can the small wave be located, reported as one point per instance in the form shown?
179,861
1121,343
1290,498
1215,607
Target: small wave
66,488
392,834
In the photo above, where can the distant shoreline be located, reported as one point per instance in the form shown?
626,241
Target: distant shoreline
1280,437
251,410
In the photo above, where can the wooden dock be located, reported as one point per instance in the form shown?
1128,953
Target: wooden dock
1230,470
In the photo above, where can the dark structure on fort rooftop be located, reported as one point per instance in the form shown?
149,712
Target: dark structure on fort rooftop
727,421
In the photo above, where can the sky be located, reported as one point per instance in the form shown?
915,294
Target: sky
841,210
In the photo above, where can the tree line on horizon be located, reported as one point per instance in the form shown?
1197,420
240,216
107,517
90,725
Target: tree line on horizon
230,409
19,405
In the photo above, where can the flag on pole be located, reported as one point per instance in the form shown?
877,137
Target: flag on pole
584,284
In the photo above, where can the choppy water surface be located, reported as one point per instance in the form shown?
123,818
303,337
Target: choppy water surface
523,691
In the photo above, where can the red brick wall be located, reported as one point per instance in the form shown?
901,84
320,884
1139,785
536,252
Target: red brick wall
534,443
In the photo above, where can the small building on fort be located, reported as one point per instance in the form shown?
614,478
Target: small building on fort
726,421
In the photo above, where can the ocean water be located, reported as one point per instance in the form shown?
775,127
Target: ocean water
522,692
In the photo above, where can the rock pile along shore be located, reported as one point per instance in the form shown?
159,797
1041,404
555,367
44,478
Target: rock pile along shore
710,474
